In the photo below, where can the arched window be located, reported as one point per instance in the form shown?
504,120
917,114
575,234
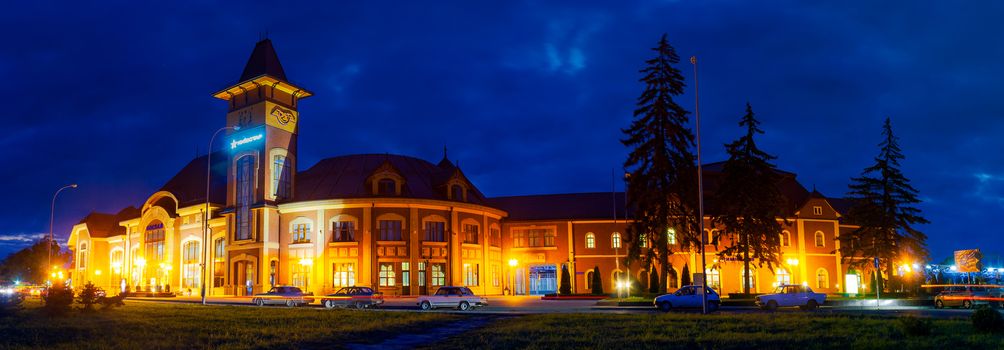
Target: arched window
244,177
387,187
671,280
590,240
783,277
785,238
154,239
820,239
190,265
589,279
671,235
471,233
615,240
299,230
282,177
714,279
82,256
822,278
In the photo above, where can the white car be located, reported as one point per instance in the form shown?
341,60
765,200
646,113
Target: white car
788,295
461,298
687,297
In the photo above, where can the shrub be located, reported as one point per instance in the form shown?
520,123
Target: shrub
57,299
915,326
597,287
566,281
113,302
987,320
88,296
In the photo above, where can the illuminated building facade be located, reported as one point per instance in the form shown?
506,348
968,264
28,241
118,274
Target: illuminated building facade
399,224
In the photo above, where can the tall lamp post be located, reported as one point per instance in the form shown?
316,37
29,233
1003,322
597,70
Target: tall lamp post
206,214
700,191
52,215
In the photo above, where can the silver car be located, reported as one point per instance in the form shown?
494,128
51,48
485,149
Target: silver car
964,296
282,295
461,298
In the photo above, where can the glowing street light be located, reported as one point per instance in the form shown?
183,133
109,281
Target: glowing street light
513,262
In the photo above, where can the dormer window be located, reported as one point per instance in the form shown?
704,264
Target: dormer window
457,193
387,187
817,210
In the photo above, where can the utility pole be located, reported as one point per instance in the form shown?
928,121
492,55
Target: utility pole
700,191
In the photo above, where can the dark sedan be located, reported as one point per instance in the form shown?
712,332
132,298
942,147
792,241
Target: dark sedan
357,297
285,295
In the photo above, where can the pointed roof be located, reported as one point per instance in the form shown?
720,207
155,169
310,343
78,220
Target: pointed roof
263,61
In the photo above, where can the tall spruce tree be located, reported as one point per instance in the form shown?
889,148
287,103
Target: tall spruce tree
662,172
883,209
749,201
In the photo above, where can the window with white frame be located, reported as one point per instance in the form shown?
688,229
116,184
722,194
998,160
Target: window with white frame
190,265
715,279
301,233
405,274
785,239
281,178
438,274
751,279
671,235
820,239
782,276
496,275
470,274
388,277
302,265
615,240
344,275
590,240
822,278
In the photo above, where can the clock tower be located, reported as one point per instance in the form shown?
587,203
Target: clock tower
261,148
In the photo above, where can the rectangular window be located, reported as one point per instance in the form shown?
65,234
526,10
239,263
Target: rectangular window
281,178
496,275
405,274
817,210
471,274
301,275
496,237
343,231
438,275
387,275
471,234
671,235
244,194
190,267
344,275
421,274
533,237
390,230
435,231
219,267
301,233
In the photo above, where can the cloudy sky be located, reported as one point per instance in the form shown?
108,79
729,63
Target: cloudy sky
529,96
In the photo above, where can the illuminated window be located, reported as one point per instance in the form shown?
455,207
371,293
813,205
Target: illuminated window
590,240
470,234
820,239
405,274
281,178
190,265
783,277
642,240
533,237
219,267
390,230
387,275
244,196
301,233
671,235
387,187
343,231
822,278
116,262
785,239
495,236
438,274
154,239
82,256
435,231
421,274
301,275
301,267
470,274
714,279
615,240
344,275
752,279
496,275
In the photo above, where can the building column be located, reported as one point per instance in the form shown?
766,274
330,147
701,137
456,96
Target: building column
414,247
366,250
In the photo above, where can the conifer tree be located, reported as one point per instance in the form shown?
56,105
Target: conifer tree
597,286
653,281
566,281
662,172
883,209
685,279
749,201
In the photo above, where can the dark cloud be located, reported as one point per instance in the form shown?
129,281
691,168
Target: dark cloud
528,96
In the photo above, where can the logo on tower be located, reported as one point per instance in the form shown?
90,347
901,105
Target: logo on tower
282,115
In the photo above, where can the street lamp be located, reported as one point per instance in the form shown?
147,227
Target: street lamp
700,190
52,214
205,214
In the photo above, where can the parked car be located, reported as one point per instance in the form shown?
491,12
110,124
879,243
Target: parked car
461,298
687,297
965,296
282,295
100,293
358,297
788,295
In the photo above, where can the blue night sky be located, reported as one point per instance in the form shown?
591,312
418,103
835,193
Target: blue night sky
529,96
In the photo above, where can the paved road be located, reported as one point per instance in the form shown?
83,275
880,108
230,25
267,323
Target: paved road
521,305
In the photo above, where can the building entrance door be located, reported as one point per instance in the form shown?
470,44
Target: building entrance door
519,283
543,279
245,278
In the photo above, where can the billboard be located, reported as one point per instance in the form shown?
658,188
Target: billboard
968,260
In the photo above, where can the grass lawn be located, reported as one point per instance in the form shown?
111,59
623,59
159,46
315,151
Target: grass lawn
141,325
736,331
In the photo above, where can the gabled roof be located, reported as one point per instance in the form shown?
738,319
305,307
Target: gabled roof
263,61
189,184
345,177
101,225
